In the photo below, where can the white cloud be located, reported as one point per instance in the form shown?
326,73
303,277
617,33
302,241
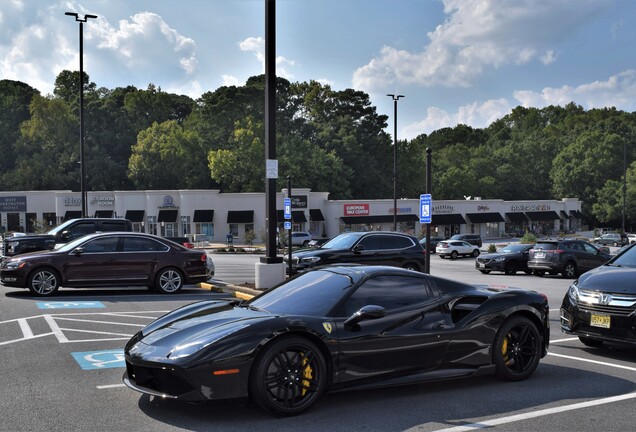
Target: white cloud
229,80
256,45
617,91
477,115
479,34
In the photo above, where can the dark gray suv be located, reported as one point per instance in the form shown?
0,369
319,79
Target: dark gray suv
568,257
470,238
370,248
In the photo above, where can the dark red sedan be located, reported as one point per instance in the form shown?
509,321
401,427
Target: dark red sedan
109,259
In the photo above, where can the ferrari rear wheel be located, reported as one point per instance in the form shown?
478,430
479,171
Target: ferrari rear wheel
517,349
289,376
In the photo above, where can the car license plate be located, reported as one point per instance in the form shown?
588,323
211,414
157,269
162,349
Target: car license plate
539,255
600,321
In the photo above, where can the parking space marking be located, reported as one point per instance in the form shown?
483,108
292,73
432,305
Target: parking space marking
90,360
71,305
99,322
541,413
593,361
109,386
25,328
564,340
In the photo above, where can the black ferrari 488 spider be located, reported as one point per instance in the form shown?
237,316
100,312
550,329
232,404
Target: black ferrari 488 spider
337,328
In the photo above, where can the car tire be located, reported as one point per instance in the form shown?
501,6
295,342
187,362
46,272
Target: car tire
592,343
528,272
484,271
305,243
43,282
454,254
476,253
615,244
569,270
411,266
517,349
539,273
511,268
289,376
169,280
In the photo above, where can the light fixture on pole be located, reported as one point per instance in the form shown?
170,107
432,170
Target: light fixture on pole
395,101
81,94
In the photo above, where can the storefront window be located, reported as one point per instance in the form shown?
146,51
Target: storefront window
185,226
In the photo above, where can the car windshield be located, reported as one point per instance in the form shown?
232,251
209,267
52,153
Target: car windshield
313,293
72,244
342,241
625,259
512,249
60,228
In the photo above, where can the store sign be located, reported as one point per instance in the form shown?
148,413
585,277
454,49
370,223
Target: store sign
103,201
530,207
443,209
356,209
73,202
402,210
168,203
299,201
13,204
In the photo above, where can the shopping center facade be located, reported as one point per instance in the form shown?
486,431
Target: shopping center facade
210,216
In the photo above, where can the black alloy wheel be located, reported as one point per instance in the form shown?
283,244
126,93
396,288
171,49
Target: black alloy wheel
511,268
517,349
569,271
289,376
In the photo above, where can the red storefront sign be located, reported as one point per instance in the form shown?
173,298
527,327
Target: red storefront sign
356,209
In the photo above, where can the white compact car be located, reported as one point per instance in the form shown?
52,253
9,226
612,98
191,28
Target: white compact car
300,238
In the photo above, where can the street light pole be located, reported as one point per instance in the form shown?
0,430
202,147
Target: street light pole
81,113
624,182
395,102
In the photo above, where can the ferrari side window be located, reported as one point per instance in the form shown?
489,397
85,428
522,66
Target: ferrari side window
390,292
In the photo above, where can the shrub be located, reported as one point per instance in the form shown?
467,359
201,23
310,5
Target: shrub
528,238
492,248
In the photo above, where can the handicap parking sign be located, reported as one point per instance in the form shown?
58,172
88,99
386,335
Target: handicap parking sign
90,360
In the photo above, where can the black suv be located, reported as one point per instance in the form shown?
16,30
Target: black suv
370,248
64,233
568,257
470,238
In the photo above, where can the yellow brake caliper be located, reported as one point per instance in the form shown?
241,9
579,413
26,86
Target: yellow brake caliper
308,374
504,350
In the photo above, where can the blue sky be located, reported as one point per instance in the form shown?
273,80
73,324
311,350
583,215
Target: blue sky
456,61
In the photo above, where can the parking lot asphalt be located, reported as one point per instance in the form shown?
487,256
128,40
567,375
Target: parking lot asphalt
62,365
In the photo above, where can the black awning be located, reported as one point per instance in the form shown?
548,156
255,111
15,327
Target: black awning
577,214
448,219
72,214
517,217
542,215
297,216
240,216
316,215
485,217
104,213
167,215
135,215
352,220
203,216
563,215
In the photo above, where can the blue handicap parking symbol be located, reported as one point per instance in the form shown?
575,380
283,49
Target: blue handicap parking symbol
90,360
70,305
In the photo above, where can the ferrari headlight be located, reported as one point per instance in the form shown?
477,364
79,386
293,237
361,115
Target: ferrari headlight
185,350
573,293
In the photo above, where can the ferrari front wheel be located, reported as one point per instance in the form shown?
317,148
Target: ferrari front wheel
288,376
517,349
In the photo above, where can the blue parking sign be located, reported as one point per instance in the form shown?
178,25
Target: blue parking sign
287,208
426,208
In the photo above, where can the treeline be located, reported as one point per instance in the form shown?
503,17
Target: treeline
327,140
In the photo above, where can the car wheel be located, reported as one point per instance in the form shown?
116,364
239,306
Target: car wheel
453,255
288,376
511,268
539,273
305,243
43,282
615,244
569,271
517,349
476,253
411,266
169,280
592,343
484,271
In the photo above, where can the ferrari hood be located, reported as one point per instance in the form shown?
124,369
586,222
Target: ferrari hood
200,322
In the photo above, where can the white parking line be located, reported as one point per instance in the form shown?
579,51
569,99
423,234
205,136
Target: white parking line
593,361
563,340
109,386
99,322
26,329
541,413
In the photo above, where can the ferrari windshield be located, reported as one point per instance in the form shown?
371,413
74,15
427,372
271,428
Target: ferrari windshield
313,293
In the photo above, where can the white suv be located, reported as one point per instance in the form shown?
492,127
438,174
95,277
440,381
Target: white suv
300,238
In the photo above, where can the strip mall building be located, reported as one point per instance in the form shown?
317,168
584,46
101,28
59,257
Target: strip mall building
209,215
